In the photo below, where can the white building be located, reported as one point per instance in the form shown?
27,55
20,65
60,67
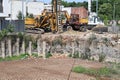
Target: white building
16,7
68,9
30,7
35,8
4,11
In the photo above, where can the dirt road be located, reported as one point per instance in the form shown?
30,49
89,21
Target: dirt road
39,69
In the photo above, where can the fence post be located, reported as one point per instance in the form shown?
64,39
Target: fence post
23,47
3,49
38,47
43,51
30,48
79,49
17,46
9,47
73,49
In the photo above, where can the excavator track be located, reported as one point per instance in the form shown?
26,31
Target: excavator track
34,30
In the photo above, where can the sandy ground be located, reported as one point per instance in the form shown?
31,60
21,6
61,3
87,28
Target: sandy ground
49,69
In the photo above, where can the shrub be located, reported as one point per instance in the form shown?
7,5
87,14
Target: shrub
76,55
5,32
87,54
70,55
19,16
35,55
79,69
102,57
47,55
34,44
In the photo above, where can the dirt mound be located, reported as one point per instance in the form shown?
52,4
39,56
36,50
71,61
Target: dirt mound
100,29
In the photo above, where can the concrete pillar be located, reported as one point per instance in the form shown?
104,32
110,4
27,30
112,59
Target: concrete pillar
17,47
38,47
44,48
30,48
9,47
23,47
73,48
3,49
79,50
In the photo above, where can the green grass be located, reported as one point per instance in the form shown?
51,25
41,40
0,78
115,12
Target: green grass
20,57
47,55
35,55
105,71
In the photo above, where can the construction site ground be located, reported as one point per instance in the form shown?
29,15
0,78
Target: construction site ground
48,69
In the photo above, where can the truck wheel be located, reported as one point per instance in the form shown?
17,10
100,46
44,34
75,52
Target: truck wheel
69,28
82,28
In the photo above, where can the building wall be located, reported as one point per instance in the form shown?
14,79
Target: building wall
31,7
83,13
48,7
5,5
68,9
35,8
16,7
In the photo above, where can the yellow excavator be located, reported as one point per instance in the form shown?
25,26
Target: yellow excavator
47,21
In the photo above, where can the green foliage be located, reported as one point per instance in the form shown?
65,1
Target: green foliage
76,55
105,8
47,55
35,55
10,28
105,11
4,32
19,16
74,4
102,57
22,56
34,44
70,55
27,39
79,69
87,54
30,15
105,71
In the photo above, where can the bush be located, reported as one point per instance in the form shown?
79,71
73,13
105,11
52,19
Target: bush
102,57
87,54
76,55
34,44
35,55
70,55
47,55
79,69
19,16
5,32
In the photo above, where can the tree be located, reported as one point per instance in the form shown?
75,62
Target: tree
30,15
74,4
19,16
105,11
113,3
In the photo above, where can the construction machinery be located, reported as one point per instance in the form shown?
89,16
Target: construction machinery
75,23
46,21
82,24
